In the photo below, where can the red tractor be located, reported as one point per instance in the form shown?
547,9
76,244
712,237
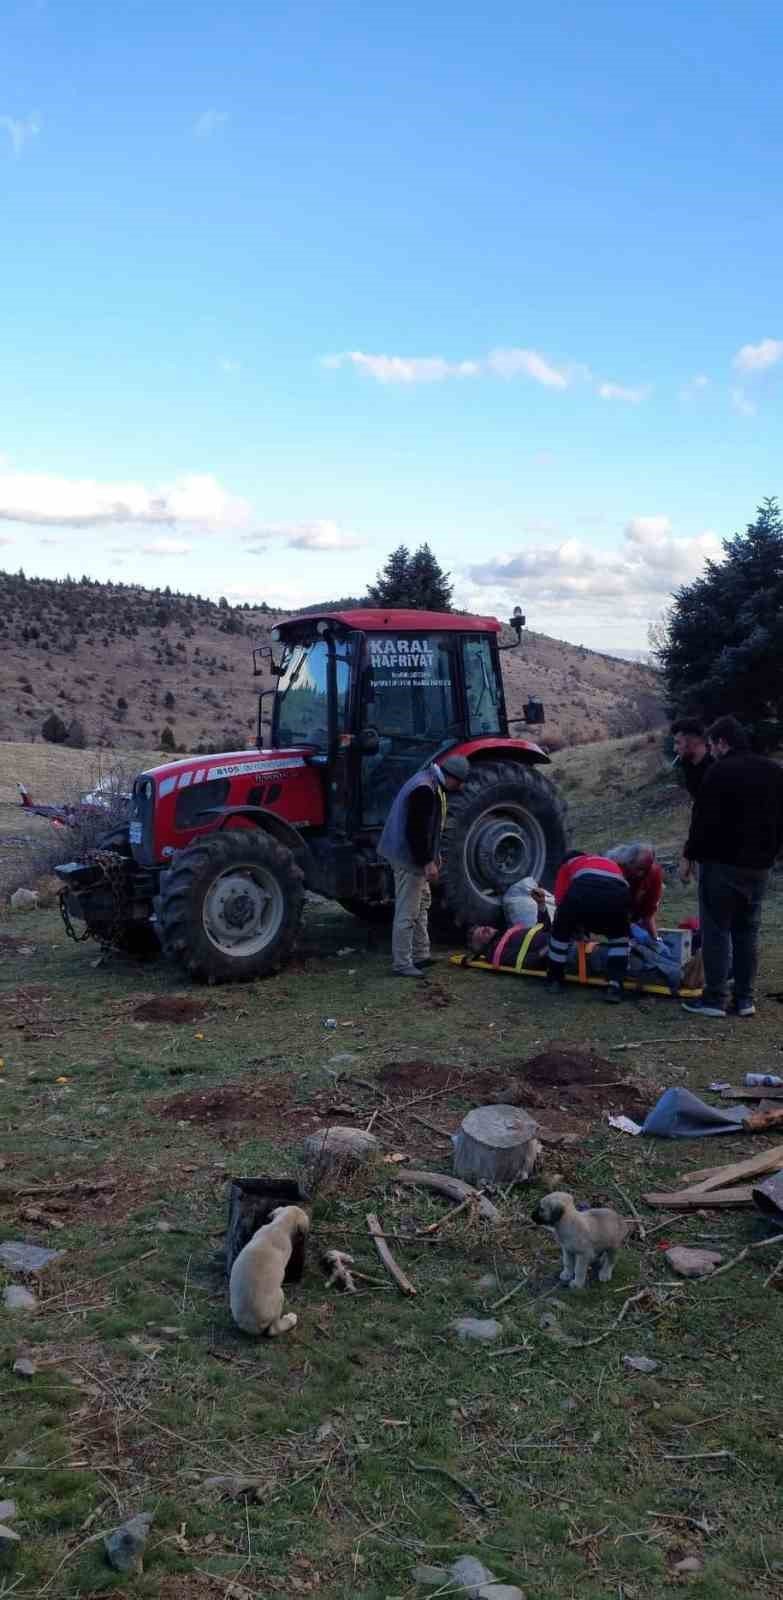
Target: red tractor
218,851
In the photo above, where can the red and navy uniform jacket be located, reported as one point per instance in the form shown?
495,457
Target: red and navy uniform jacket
579,867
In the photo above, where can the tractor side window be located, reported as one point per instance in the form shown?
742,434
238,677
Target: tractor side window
302,695
482,688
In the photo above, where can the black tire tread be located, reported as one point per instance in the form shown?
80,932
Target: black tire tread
540,795
180,930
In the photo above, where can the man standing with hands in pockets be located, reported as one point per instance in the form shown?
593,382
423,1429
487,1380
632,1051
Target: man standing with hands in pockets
410,842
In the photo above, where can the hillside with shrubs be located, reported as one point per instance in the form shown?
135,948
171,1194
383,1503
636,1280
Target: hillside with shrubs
117,666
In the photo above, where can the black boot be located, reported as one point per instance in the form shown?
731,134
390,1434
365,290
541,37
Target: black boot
555,979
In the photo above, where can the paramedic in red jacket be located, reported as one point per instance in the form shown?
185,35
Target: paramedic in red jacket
592,895
645,878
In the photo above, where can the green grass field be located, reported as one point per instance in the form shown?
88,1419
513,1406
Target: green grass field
569,1474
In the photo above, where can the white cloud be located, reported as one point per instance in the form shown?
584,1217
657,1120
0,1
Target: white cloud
741,403
196,500
504,362
319,535
510,363
757,357
6,541
575,579
21,129
230,366
619,391
404,369
166,547
209,122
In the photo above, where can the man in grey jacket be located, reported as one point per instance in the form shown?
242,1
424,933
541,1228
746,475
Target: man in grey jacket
410,842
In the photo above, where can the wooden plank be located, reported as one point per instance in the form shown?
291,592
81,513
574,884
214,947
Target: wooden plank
770,1160
696,1200
752,1094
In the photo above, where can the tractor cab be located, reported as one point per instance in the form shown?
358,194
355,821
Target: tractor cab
376,694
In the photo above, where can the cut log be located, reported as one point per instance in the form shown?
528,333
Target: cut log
441,1183
496,1144
699,1200
251,1202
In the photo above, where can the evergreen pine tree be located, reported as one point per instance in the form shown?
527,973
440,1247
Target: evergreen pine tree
413,581
724,648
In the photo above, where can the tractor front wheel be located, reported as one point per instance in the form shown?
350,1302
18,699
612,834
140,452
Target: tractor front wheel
506,823
230,906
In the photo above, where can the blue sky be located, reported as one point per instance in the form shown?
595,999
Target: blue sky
285,286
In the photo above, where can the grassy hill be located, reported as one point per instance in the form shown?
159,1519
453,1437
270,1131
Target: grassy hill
125,662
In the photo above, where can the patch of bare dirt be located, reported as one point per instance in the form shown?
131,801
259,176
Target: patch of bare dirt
110,1191
264,1105
575,1087
406,1079
170,1008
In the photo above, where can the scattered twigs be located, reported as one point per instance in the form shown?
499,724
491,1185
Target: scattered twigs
760,1244
704,1455
403,1283
448,1216
775,1273
633,1211
502,1301
431,1127
642,1044
633,1300
464,1488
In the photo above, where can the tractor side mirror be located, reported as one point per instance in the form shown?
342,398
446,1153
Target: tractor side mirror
262,653
534,712
369,742
518,623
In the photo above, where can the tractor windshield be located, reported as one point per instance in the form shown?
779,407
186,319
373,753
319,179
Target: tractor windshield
302,701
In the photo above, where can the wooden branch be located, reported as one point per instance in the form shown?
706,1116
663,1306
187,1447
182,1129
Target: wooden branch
464,1488
339,1264
761,1244
448,1216
584,1344
453,1187
697,1200
775,1273
403,1283
633,1211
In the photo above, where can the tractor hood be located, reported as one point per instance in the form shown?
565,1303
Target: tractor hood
172,775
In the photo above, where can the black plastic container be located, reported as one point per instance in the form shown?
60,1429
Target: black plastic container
251,1202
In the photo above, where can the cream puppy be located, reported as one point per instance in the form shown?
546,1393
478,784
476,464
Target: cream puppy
585,1237
255,1288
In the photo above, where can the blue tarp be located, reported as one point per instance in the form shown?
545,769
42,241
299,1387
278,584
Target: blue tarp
681,1115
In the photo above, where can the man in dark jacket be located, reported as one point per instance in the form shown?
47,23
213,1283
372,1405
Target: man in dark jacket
692,752
410,842
736,834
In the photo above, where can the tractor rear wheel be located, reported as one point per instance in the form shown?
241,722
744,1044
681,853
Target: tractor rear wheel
506,823
230,906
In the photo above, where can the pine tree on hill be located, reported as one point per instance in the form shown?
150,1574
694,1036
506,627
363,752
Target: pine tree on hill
723,651
413,581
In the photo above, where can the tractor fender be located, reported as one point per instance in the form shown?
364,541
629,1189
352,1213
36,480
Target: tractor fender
496,748
284,832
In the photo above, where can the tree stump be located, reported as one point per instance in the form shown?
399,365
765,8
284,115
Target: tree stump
496,1145
251,1202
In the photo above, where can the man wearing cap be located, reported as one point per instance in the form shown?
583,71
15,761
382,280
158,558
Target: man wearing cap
410,842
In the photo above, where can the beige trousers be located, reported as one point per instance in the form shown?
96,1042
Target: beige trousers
410,934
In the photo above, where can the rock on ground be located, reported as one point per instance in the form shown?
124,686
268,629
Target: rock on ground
17,1298
472,1574
337,1144
23,900
482,1328
641,1363
7,1510
125,1545
30,1258
692,1263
